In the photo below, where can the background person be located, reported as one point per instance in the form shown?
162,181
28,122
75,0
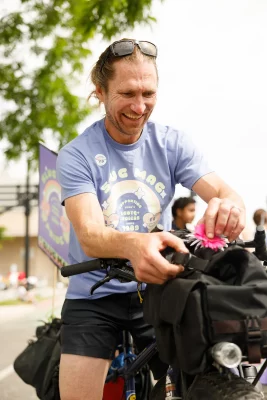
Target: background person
118,179
183,212
260,218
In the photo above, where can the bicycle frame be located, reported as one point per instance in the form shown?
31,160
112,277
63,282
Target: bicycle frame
132,364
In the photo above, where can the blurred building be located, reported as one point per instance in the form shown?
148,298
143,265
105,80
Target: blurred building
12,249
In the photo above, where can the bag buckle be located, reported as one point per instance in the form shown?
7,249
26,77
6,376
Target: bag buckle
254,338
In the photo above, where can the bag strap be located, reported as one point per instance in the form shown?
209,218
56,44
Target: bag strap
189,261
251,326
235,326
254,337
198,264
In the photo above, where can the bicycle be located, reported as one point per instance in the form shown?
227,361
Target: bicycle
219,382
127,365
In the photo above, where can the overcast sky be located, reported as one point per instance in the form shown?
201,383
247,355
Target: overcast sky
213,84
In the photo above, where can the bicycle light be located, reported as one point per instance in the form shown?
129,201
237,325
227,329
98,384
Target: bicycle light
227,354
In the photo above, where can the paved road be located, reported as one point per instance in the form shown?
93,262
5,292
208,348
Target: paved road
18,325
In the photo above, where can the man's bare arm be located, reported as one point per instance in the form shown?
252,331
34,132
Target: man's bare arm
87,219
142,249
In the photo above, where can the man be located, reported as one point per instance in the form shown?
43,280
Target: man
183,212
118,179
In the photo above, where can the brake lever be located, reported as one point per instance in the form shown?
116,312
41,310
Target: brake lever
100,283
122,273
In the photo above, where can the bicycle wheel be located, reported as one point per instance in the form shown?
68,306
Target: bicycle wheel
214,386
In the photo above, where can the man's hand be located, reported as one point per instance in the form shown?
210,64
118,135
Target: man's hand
224,217
149,265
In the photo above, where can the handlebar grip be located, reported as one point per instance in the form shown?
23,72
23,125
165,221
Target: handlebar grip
87,266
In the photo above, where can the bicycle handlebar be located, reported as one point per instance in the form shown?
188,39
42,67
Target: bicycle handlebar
120,269
86,266
258,243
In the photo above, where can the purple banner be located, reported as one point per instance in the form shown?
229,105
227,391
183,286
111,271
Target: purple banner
54,226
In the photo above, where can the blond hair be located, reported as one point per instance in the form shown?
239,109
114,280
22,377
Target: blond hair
103,71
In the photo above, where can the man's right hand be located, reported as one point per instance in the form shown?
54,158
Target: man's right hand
149,265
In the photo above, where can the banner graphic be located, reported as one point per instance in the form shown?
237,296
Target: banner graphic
54,226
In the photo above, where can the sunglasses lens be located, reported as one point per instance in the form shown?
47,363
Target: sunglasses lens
123,48
148,48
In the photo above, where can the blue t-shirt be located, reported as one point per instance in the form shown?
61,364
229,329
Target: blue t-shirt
134,184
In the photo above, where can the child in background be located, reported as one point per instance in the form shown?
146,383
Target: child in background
183,212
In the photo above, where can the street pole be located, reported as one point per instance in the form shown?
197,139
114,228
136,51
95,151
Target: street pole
27,220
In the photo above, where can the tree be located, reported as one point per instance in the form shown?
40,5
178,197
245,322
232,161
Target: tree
40,99
2,235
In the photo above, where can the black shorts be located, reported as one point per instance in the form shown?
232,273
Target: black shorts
93,327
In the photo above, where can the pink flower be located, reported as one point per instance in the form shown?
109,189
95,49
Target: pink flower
216,243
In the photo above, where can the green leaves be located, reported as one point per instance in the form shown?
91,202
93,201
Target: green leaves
109,17
39,44
2,235
10,29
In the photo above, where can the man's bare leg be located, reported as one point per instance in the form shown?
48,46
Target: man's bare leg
82,378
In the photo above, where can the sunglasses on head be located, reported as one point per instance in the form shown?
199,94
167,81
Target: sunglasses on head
123,48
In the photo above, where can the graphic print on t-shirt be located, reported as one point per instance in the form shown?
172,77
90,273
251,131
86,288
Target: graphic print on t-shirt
131,206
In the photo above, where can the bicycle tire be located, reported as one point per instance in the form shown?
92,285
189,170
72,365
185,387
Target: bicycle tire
214,386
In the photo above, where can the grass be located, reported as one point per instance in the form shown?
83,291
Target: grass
11,302
17,302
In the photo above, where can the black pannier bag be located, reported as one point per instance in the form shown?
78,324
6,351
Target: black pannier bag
196,310
38,364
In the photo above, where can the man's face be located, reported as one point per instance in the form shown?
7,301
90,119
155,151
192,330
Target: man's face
187,214
130,99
